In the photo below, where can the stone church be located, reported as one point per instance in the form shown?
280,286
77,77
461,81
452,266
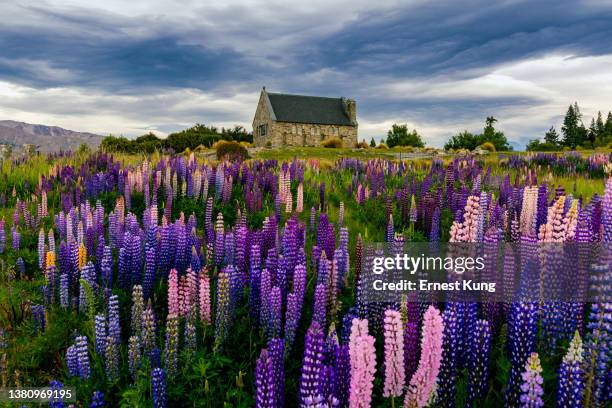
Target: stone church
298,120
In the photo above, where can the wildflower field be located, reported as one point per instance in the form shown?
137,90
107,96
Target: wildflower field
178,281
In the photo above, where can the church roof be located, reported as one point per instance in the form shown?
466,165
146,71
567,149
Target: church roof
309,109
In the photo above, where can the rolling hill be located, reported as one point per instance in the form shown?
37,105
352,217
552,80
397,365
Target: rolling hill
48,138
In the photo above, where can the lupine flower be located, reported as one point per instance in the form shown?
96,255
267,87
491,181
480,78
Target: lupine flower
521,342
134,354
223,312
320,305
204,297
447,379
97,400
190,330
172,339
531,390
56,386
423,382
363,364
478,362
311,382
100,334
158,388
114,328
394,354
571,376
83,357
265,388
173,292
137,310
72,361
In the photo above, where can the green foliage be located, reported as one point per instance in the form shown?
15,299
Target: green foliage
231,150
488,146
399,135
332,143
372,143
467,140
198,135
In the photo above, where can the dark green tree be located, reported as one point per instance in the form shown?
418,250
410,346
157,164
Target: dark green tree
551,136
573,130
399,135
608,125
372,143
463,140
599,125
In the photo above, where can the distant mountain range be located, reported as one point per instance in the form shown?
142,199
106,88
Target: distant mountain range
47,138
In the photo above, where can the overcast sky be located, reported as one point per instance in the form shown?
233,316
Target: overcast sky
441,66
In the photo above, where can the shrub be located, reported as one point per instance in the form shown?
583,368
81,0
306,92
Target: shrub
332,143
382,146
231,150
363,145
488,146
268,144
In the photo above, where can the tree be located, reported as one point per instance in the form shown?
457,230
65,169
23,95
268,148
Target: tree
463,140
398,135
372,143
600,126
608,125
551,137
573,130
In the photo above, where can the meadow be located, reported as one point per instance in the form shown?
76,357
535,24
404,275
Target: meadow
183,281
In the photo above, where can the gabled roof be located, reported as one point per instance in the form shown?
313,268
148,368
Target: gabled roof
309,109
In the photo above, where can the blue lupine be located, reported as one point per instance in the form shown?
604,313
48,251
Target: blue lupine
158,388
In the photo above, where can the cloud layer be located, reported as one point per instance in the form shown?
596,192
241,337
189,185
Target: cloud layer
439,66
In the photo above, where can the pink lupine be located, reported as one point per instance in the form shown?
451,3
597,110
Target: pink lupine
173,294
467,230
553,230
299,205
205,316
394,354
363,364
423,382
529,210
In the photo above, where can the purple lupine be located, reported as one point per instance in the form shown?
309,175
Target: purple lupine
100,334
106,267
266,394
521,342
531,389
56,386
478,362
64,290
149,277
114,328
571,376
72,361
158,388
223,311
275,309
447,379
311,382
276,351
319,313
292,319
97,400
41,248
16,238
148,328
38,315
2,236
82,357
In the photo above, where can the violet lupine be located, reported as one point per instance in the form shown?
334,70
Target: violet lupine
97,400
571,376
363,364
41,248
190,330
149,277
521,342
266,395
100,334
158,388
56,402
394,354
411,349
531,389
275,309
16,238
598,345
2,236
423,382
447,381
72,361
319,313
111,360
64,290
478,362
312,378
114,328
82,357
